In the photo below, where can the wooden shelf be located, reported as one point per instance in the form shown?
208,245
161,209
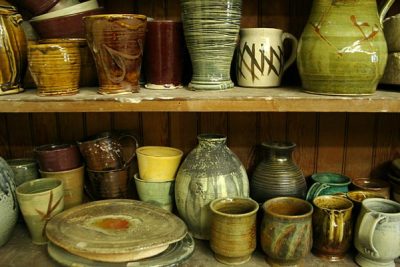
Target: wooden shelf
19,251
238,99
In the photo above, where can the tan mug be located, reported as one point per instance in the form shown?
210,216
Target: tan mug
261,56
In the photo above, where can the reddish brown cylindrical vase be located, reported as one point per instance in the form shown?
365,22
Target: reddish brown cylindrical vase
164,54
117,42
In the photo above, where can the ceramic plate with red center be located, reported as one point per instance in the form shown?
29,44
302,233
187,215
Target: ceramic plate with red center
115,230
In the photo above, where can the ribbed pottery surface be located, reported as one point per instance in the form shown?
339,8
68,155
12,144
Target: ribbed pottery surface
210,171
211,29
277,175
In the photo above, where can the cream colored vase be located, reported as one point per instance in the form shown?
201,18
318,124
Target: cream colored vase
377,233
342,50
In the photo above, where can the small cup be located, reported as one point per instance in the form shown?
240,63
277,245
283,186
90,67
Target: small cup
158,163
108,184
73,185
164,54
286,230
233,229
58,157
261,60
39,200
332,227
55,67
376,186
160,194
24,169
106,151
327,183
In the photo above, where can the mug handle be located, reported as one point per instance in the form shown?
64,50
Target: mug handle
293,53
135,140
315,190
366,232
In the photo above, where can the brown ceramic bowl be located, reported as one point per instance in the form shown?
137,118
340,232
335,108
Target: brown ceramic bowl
70,26
38,7
58,157
377,186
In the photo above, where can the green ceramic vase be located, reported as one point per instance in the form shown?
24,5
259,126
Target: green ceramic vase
211,29
210,171
342,50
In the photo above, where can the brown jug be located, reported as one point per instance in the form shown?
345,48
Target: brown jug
12,49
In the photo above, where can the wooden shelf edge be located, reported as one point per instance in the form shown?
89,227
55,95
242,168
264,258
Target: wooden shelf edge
238,99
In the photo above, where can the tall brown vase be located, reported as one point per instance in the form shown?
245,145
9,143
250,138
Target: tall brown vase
277,175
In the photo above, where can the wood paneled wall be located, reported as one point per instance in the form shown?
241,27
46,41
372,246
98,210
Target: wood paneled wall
356,144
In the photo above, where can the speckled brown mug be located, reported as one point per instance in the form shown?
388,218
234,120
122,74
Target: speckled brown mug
107,151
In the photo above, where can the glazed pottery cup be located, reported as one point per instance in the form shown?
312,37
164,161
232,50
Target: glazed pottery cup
261,58
108,151
286,230
88,75
358,196
55,67
158,163
108,184
377,233
332,227
158,193
39,200
73,185
164,54
327,183
376,186
24,169
233,229
58,157
117,43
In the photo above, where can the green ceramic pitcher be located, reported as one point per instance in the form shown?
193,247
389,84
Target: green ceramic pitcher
342,50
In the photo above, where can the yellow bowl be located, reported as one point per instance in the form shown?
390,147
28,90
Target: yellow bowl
158,163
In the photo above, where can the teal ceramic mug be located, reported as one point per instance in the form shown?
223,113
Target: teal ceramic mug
327,183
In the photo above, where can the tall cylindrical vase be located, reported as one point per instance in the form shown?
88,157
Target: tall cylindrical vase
277,175
210,171
211,29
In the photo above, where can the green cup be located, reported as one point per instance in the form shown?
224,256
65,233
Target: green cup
158,193
327,183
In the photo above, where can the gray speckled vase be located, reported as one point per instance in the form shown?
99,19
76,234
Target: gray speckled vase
8,202
211,29
210,171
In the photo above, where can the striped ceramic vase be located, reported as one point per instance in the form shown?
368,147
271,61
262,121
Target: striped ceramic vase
277,175
210,171
211,29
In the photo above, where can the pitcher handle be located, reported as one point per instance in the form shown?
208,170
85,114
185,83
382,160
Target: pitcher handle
135,140
315,190
293,54
366,232
384,8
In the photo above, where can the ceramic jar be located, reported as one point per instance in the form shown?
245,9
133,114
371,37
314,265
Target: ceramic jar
211,29
277,175
13,52
210,171
8,202
342,50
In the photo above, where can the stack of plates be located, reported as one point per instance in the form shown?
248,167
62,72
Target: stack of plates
118,232
394,179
